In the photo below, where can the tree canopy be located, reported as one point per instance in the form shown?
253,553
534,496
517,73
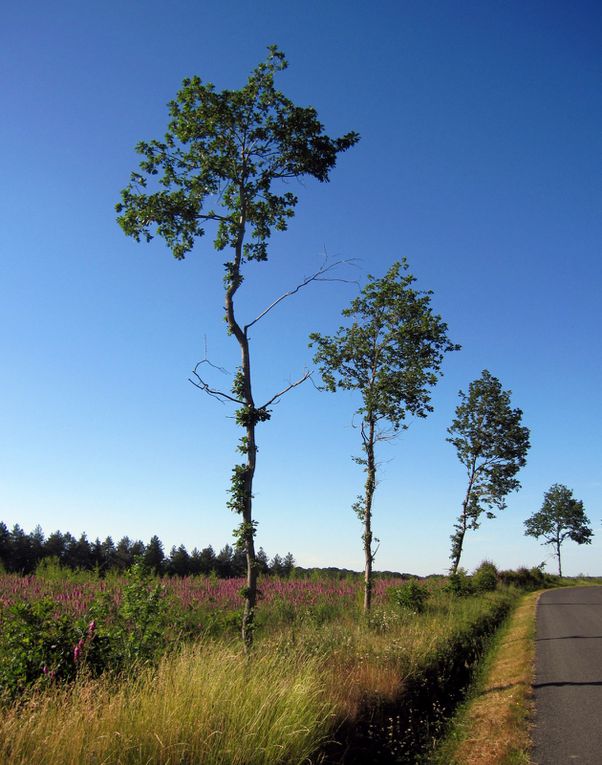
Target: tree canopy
492,444
561,517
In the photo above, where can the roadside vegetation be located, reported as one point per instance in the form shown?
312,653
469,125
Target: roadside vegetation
142,670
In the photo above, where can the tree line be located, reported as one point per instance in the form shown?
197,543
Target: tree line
23,553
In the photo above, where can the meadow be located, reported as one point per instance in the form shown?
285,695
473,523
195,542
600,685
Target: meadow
139,669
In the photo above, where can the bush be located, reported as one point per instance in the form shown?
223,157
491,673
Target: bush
460,584
485,577
528,578
410,596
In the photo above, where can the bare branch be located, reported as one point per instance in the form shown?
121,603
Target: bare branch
204,386
319,276
301,380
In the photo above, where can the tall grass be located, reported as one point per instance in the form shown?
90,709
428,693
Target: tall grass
206,704
209,704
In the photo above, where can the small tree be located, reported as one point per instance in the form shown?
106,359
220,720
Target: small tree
492,445
221,163
561,517
392,355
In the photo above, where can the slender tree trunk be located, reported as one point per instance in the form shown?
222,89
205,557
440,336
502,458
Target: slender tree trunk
558,556
462,526
234,280
369,493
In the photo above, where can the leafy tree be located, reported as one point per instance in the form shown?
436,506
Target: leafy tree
561,517
221,162
492,445
391,354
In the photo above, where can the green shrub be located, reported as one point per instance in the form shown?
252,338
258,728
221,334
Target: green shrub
485,577
410,596
460,584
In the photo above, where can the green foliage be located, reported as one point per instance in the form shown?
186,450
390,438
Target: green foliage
460,584
391,354
527,578
35,646
136,631
492,445
410,596
220,158
561,517
485,577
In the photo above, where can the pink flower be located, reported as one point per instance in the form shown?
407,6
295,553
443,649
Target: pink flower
78,650
91,628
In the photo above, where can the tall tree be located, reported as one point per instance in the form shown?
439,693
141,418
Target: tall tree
561,517
492,445
391,353
222,160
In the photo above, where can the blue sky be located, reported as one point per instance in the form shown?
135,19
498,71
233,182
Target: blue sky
480,162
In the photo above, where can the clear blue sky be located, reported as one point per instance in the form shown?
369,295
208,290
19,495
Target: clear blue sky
480,162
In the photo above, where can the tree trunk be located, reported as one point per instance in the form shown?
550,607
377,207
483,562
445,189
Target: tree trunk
369,493
558,556
233,281
462,525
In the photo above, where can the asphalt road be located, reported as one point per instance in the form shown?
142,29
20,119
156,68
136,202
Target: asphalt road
568,677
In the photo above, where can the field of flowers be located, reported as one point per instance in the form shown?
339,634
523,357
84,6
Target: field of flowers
54,624
136,669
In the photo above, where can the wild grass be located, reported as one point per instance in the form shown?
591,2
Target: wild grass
208,703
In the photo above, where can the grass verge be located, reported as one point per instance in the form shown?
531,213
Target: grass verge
493,727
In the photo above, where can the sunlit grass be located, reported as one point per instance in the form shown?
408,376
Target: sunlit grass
494,726
207,704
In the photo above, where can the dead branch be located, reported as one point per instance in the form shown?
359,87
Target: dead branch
286,390
204,385
319,276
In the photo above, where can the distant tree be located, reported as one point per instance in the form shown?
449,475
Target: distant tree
109,554
81,554
96,554
492,445
195,562
124,556
69,542
179,561
561,517
263,563
222,161
391,354
207,560
54,547
288,564
223,562
37,541
4,545
153,555
276,565
20,556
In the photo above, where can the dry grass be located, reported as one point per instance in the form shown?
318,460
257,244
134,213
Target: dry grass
211,704
495,726
206,705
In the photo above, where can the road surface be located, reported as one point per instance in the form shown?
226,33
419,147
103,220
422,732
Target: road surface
568,677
